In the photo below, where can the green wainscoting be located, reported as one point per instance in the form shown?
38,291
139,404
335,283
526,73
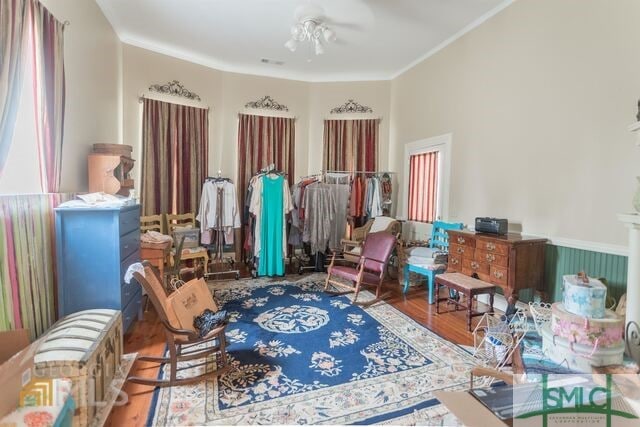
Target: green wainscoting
560,260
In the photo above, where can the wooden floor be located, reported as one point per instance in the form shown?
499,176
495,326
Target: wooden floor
146,337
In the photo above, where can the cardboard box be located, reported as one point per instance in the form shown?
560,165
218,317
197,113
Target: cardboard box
14,374
467,409
11,342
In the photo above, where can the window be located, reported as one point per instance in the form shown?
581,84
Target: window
427,179
423,186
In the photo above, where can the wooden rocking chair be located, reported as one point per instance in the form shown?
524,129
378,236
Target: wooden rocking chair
370,270
184,345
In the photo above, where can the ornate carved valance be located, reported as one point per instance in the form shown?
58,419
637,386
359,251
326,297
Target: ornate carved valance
174,88
351,106
266,103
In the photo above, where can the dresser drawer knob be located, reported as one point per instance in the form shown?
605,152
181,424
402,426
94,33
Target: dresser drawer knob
454,261
498,274
460,250
491,257
491,246
461,240
475,265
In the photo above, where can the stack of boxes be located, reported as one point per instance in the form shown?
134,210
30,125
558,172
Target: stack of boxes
582,333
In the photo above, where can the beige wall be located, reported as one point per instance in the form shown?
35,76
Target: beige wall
538,100
227,93
93,86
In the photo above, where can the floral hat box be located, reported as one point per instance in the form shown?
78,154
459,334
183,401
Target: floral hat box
597,333
584,296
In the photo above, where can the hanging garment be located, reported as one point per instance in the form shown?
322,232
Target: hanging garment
271,235
339,184
320,210
375,207
295,232
270,202
218,209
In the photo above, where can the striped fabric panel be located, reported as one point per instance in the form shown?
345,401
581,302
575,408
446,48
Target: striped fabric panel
47,53
27,259
175,152
351,145
263,140
423,185
13,15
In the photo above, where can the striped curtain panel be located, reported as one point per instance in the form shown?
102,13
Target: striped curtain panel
264,140
13,15
27,260
423,187
351,145
47,45
175,152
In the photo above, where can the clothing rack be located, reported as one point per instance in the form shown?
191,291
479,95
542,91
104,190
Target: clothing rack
360,172
218,178
218,257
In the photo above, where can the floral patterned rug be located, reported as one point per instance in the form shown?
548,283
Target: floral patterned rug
301,356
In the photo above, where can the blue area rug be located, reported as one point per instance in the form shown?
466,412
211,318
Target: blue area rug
301,356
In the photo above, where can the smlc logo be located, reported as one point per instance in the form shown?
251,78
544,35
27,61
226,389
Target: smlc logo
574,401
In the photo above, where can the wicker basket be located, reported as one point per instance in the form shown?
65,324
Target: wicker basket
85,347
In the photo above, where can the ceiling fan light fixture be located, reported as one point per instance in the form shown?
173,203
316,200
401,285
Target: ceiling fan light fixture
329,34
292,45
310,27
318,46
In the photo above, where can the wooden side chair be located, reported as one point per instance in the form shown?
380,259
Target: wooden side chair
370,270
424,264
183,345
195,253
152,222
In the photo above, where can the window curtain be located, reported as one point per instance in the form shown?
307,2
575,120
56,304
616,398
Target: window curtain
27,240
13,16
351,145
175,147
47,50
423,186
264,140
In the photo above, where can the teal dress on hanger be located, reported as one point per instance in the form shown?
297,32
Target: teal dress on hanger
271,262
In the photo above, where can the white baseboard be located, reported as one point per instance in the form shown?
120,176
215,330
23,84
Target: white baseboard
499,302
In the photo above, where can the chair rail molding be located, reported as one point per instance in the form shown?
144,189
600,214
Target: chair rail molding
174,88
266,103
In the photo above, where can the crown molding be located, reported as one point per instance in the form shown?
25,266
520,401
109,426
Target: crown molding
474,24
225,67
213,63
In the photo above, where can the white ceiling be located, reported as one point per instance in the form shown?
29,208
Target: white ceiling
376,39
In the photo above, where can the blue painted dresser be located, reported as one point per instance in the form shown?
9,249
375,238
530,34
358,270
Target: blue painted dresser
94,248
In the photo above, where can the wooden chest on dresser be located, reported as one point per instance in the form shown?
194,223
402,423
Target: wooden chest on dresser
94,248
511,261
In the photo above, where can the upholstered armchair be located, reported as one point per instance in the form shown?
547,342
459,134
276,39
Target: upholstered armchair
352,248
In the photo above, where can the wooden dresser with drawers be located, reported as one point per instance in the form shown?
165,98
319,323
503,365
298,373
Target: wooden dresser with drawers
510,261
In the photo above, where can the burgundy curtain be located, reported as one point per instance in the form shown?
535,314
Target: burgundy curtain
175,147
351,145
423,185
47,50
264,140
